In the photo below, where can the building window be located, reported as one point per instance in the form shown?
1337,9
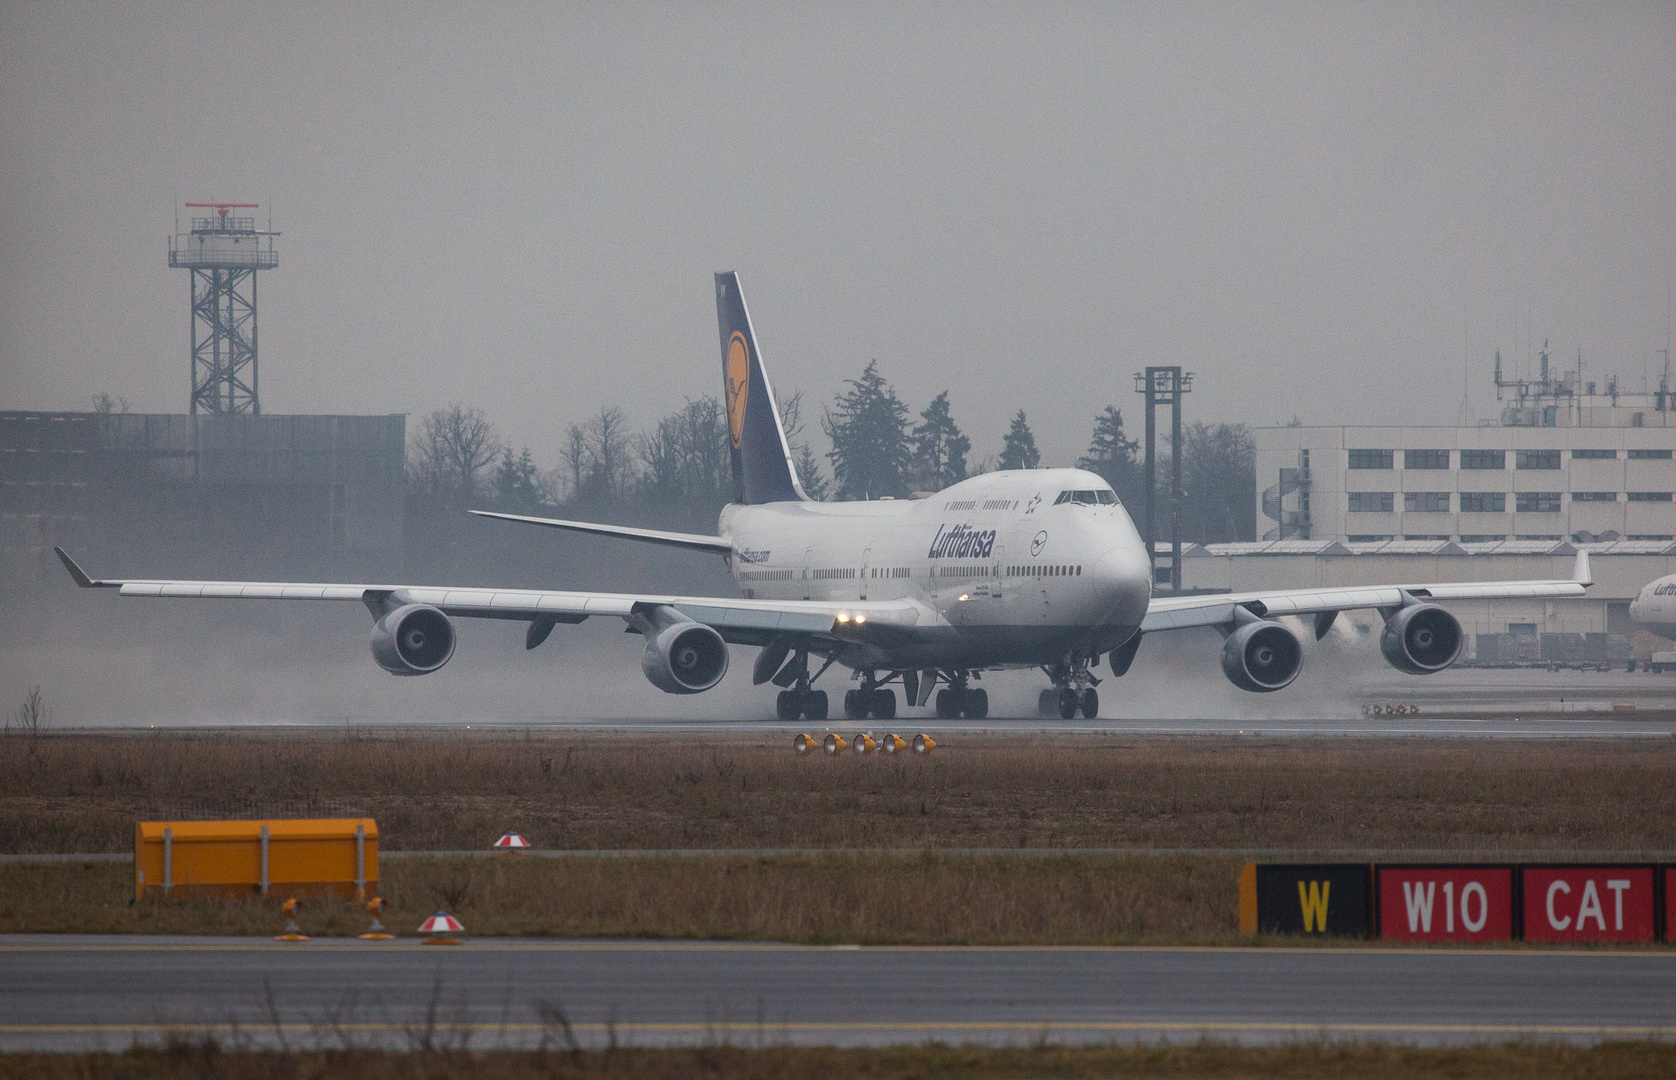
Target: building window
1426,502
1594,455
1427,537
1369,538
1483,459
1536,536
1482,538
1651,536
1594,496
1649,455
1536,459
1537,502
1372,502
1372,459
1649,496
1484,502
1425,459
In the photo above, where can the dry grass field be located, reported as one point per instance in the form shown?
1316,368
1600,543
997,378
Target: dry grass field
453,791
909,882
838,898
1298,1061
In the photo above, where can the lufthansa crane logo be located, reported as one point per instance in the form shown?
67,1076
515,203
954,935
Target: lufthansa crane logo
738,385
1037,544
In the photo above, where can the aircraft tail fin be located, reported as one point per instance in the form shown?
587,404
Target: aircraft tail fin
762,467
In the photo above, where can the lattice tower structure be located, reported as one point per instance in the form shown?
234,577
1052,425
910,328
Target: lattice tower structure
224,251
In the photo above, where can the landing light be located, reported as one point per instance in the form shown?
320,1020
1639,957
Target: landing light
860,618
963,596
843,616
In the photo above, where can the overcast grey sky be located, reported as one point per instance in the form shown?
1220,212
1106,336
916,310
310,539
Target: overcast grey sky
1321,209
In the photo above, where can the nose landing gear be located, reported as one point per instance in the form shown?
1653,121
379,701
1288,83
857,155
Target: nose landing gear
1072,690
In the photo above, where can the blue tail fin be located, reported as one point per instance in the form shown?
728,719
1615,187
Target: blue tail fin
762,468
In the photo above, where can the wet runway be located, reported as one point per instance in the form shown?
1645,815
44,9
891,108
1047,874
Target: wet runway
74,992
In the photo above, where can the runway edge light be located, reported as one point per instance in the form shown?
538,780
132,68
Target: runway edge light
293,932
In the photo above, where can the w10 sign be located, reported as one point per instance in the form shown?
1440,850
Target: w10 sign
1588,903
1446,903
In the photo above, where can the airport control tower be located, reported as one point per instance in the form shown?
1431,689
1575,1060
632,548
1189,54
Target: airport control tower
223,251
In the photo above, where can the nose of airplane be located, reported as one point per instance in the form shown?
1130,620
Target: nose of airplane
1123,575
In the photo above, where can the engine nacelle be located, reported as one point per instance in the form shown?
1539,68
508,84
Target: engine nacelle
1262,657
685,658
1421,639
413,640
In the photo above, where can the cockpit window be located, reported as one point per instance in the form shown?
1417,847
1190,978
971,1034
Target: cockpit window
1088,498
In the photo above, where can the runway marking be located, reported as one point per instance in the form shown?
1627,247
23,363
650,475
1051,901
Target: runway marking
1033,1028
346,946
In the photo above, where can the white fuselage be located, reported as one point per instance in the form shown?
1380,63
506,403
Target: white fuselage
1654,608
1019,580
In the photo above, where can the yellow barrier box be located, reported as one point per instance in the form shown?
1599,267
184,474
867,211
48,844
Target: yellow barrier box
307,857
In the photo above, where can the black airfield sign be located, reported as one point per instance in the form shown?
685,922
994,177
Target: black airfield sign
1323,898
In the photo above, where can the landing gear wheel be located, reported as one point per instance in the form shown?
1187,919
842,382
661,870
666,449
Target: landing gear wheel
948,704
1047,702
1090,703
787,706
854,706
883,705
814,704
1068,704
976,706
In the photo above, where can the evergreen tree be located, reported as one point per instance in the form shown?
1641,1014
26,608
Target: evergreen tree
869,434
1018,449
518,481
1112,455
939,448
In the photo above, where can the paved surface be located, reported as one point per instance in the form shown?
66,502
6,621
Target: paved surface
69,992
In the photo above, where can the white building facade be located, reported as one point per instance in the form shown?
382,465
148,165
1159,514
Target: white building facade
1470,485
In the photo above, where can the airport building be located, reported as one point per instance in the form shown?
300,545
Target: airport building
1566,461
1566,464
212,495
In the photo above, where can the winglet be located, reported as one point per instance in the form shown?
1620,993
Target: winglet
78,573
1580,570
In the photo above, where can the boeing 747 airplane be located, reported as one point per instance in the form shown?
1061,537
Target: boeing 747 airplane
1014,569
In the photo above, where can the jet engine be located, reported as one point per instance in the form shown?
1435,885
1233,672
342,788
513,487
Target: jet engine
685,658
415,639
1262,657
1421,639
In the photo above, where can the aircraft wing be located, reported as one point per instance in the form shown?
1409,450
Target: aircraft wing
1181,612
738,620
720,545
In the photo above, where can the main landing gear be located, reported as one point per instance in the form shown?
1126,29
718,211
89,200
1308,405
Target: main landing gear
1072,690
801,702
872,700
960,700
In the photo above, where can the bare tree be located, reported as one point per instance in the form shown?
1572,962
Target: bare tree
32,715
451,448
105,404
